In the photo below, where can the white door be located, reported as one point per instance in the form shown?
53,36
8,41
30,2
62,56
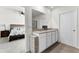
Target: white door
68,28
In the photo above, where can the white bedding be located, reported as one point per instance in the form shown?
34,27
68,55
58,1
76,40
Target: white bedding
17,46
17,31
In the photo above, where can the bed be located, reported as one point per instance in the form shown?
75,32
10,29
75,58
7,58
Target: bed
17,32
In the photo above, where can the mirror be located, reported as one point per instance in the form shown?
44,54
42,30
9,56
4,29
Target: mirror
35,18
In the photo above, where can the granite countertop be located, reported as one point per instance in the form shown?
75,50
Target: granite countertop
43,31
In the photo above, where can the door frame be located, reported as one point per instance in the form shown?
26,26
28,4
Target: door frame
76,9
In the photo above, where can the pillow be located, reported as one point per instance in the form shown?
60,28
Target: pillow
17,31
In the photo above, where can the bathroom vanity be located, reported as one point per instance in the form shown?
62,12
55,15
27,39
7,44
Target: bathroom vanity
43,39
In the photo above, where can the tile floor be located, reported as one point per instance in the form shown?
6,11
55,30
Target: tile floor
61,48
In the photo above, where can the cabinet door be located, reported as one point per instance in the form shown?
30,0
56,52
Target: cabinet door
57,35
53,38
48,39
42,42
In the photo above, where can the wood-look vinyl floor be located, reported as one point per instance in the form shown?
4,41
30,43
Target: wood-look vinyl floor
61,48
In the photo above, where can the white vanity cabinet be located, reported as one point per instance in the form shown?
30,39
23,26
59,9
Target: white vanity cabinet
42,42
45,39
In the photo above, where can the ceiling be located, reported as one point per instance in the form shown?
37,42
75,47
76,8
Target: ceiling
35,13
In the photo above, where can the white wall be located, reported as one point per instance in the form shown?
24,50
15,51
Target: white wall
28,24
9,16
39,8
44,19
56,12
